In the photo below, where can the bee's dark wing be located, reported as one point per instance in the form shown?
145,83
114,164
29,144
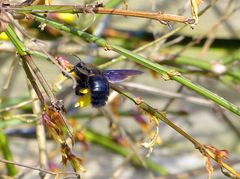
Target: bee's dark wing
119,75
80,70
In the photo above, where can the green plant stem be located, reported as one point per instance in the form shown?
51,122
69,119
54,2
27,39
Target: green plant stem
121,58
231,58
143,61
107,143
11,169
202,64
182,60
15,40
163,71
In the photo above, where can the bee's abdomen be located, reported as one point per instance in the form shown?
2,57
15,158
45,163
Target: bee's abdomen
99,89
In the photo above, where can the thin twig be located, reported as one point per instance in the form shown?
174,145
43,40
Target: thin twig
198,39
40,133
23,117
122,131
33,82
120,168
170,101
35,168
19,105
211,33
8,79
167,94
99,10
225,118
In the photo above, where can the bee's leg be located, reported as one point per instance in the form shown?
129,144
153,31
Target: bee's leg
77,90
66,74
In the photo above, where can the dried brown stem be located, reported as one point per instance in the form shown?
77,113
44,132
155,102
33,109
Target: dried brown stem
150,15
32,79
40,77
101,10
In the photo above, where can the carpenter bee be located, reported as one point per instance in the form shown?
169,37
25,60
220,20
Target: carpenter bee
89,77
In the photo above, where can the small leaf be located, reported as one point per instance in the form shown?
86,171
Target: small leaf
173,72
149,145
166,77
220,155
75,161
54,124
209,166
118,138
107,47
194,6
154,138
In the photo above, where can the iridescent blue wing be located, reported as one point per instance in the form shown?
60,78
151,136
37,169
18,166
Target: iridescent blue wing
119,75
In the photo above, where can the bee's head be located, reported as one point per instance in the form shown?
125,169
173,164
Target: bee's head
85,68
81,68
80,64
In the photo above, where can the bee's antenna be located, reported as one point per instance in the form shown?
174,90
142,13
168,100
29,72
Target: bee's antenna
77,57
